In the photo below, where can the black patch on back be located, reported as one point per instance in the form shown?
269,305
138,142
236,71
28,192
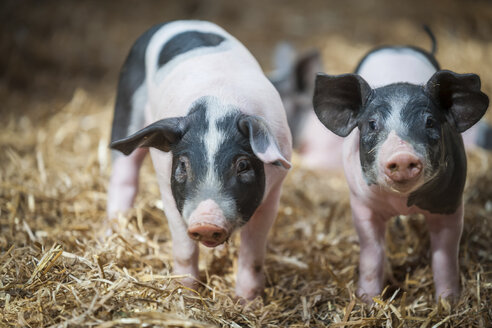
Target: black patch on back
186,41
132,75
427,55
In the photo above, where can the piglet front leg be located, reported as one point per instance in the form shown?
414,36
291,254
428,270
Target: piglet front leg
123,186
250,275
445,234
370,228
185,250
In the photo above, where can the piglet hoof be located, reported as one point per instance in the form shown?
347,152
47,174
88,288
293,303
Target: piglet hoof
113,224
190,282
250,300
366,296
108,228
246,296
250,289
250,285
449,295
188,272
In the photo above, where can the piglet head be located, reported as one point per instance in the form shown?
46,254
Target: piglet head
408,133
218,165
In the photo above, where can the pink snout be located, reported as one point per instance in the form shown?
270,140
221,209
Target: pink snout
208,225
208,234
403,167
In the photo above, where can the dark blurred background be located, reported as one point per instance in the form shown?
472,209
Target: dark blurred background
49,48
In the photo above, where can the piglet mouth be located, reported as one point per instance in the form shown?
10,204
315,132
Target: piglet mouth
211,244
208,234
403,188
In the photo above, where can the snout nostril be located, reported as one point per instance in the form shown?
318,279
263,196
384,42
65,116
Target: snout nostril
412,165
195,235
216,235
392,166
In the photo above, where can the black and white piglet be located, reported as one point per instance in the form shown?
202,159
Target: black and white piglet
402,119
218,139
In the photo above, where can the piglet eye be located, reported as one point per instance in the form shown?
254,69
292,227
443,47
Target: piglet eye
429,123
243,165
182,168
372,124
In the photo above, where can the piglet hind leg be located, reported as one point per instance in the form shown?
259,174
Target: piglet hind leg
250,280
123,185
445,234
370,228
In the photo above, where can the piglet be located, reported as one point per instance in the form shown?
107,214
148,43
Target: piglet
218,138
294,77
402,119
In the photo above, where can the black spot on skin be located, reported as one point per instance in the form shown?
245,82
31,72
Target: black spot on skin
247,193
132,75
186,41
443,194
191,146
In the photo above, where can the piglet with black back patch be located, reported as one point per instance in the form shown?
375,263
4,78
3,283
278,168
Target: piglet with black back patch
218,139
402,120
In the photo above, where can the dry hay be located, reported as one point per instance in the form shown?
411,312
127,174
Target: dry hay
54,169
55,271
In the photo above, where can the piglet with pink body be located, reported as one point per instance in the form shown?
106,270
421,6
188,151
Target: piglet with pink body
402,119
218,139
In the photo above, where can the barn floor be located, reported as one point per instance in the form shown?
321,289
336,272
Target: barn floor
60,62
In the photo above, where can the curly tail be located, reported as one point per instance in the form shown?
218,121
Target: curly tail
432,37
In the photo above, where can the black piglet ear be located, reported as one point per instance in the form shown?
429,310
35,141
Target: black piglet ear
338,101
161,135
461,95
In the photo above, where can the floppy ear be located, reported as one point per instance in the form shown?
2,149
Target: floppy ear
161,135
338,101
262,141
461,95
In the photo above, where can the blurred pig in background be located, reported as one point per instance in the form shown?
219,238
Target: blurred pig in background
294,77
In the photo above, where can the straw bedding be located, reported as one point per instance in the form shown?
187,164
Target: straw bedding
56,268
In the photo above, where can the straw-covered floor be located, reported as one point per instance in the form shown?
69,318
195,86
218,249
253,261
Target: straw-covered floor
56,270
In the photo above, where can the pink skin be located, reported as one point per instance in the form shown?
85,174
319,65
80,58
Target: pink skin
250,275
185,249
470,137
372,206
208,225
400,167
123,185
